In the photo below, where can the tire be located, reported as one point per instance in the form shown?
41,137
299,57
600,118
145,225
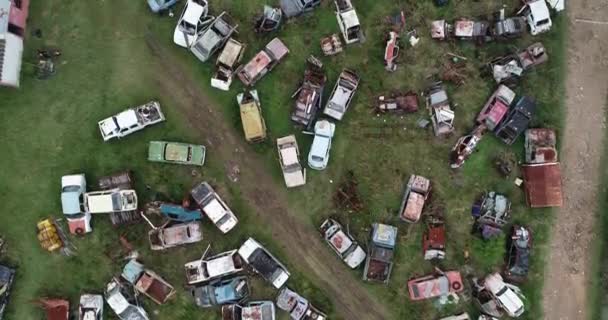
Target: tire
456,285
79,231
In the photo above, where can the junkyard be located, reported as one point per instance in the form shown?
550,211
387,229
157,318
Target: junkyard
284,159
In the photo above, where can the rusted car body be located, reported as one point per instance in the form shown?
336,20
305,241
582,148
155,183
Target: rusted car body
176,235
492,212
433,240
309,95
435,285
263,62
331,45
510,68
122,180
438,105
496,108
462,29
381,251
391,51
465,146
416,192
397,103
519,246
226,64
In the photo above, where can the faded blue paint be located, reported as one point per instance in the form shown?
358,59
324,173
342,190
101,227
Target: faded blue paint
179,213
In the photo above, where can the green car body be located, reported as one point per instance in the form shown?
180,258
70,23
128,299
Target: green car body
176,152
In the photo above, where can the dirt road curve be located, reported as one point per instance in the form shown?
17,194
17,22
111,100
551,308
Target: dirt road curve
269,201
567,273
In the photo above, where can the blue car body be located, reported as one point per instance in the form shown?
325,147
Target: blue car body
160,5
179,213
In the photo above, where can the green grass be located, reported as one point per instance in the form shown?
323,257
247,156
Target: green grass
48,130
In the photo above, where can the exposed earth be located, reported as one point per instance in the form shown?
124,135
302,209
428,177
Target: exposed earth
568,273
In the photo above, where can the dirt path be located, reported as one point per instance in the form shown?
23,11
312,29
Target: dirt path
567,274
268,200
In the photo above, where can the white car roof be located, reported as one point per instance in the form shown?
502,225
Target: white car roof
319,146
193,13
289,155
355,258
107,126
72,180
350,18
219,266
539,9
341,96
215,210
100,203
117,302
126,118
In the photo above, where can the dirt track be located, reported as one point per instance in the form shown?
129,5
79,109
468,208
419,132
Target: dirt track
568,272
306,250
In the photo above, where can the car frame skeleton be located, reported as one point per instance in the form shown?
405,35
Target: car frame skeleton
309,95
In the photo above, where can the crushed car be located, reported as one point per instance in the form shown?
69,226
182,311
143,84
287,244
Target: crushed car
214,207
191,22
465,146
318,157
438,105
397,102
131,120
213,37
297,306
264,263
293,8
416,193
510,68
496,107
348,21
254,126
176,153
505,295
345,246
179,234
519,245
342,95
226,64
435,285
90,307
220,292
147,282
263,62
380,253
289,158
214,267
123,302
254,310
491,212
73,188
462,29
309,95
517,120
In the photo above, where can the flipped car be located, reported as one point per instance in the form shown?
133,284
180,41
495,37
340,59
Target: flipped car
191,22
343,244
264,263
176,153
318,157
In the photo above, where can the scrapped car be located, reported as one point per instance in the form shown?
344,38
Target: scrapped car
109,201
179,213
218,266
264,263
342,95
297,306
131,120
438,105
348,21
254,310
147,282
435,285
226,64
176,153
293,8
518,255
213,37
160,5
331,45
176,235
7,276
214,207
191,22
269,20
510,68
537,15
73,188
416,192
310,93
504,295
221,292
465,146
508,28
391,51
254,126
517,120
318,157
496,107
540,146
462,29
397,103
90,307
121,300
345,246
433,240
263,62
491,212
380,253
122,180
289,158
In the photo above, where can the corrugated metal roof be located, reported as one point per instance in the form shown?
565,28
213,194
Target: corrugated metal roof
543,185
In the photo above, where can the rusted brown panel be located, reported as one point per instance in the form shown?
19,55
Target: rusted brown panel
543,185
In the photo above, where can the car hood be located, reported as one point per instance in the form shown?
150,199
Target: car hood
198,155
290,8
355,258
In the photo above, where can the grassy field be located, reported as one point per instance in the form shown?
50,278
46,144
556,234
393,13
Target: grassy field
48,130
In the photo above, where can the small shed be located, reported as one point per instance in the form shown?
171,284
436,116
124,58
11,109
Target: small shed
543,184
